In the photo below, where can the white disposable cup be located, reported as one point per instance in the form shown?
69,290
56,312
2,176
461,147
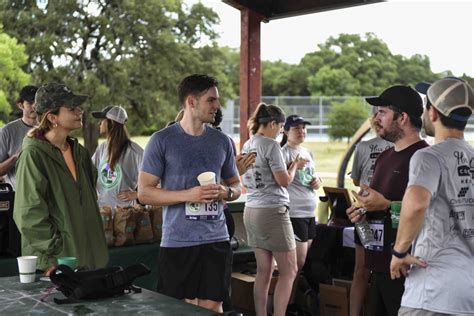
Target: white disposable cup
207,177
27,268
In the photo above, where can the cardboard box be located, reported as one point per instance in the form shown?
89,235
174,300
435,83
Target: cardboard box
346,284
343,283
334,300
242,291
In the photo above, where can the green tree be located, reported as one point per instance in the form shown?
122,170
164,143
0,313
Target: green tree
132,53
280,78
414,69
345,118
231,68
348,64
328,82
12,76
365,62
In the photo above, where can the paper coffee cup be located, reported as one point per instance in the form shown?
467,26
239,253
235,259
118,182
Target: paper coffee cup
207,177
71,262
27,268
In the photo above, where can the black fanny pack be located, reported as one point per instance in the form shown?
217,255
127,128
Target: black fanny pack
96,284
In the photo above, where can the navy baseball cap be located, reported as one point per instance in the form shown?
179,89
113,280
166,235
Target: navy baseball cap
294,120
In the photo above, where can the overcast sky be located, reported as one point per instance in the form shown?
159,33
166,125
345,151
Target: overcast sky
442,30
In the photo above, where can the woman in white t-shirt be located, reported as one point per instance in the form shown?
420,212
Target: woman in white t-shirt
266,217
118,160
301,190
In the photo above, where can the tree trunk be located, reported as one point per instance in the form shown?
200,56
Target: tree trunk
91,134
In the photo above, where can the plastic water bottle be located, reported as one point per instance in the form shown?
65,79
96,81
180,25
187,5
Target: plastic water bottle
322,212
363,230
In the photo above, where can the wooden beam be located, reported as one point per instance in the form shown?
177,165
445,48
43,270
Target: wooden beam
250,68
277,9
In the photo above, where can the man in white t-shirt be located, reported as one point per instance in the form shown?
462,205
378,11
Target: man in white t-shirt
437,213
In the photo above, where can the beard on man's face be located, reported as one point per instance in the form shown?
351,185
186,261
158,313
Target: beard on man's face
392,133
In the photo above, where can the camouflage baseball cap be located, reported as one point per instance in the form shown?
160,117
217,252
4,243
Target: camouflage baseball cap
54,95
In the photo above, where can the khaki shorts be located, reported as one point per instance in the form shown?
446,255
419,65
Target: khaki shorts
269,228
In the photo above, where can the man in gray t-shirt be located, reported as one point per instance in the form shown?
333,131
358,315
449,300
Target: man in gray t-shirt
12,134
438,209
365,155
195,255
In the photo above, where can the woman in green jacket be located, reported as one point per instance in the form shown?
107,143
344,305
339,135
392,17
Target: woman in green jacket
56,207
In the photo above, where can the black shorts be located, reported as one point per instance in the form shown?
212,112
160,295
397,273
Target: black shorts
201,272
304,228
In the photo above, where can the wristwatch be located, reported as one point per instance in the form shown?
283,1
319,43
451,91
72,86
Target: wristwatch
230,193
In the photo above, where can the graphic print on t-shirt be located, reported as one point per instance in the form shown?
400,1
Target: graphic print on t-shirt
465,174
375,151
109,178
464,170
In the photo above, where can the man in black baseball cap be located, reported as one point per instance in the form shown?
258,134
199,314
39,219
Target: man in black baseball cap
397,99
11,135
398,120
27,93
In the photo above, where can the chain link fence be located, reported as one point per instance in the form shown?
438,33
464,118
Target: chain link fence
313,109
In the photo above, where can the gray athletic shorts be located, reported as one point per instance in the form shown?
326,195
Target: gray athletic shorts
269,228
407,311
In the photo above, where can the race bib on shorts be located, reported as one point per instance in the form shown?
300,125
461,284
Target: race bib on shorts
203,211
377,228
